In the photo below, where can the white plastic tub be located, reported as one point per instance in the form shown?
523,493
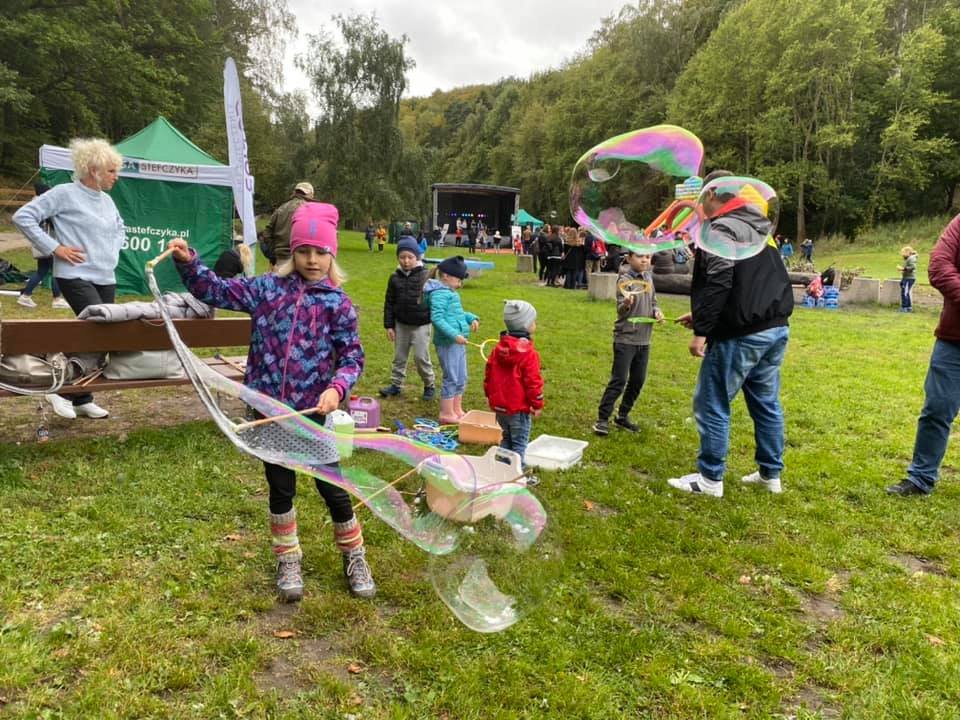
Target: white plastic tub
455,494
550,452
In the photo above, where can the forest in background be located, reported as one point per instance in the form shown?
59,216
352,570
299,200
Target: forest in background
849,108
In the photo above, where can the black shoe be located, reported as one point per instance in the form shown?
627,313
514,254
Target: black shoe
904,488
600,427
625,423
429,393
389,391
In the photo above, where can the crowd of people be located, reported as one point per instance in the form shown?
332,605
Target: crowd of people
306,351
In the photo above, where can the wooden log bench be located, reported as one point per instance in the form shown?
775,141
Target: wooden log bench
18,337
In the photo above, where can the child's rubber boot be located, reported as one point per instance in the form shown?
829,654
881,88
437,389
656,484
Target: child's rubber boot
447,414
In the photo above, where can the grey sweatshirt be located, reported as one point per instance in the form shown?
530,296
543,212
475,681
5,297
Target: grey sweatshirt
85,219
644,305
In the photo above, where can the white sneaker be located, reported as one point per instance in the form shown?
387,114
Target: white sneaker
61,406
91,410
26,301
697,484
755,478
60,304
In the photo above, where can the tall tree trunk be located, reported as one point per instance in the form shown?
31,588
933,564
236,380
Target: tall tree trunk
801,220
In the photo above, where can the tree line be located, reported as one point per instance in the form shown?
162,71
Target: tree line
847,107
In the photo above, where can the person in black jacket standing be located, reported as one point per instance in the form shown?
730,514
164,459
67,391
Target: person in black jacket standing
407,320
739,315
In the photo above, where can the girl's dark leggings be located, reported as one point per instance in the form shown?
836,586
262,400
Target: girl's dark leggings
283,487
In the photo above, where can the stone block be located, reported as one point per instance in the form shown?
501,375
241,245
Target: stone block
602,286
889,292
863,290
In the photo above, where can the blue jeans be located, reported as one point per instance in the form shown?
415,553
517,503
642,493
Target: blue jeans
752,363
516,432
940,406
453,364
44,266
906,285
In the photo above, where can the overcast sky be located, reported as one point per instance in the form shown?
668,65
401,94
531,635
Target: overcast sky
464,42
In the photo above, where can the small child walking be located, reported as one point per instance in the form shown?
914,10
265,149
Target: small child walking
512,380
451,328
304,351
631,345
908,276
406,318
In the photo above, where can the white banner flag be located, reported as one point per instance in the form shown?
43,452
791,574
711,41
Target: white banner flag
237,149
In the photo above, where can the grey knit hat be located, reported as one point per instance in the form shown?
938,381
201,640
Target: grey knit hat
518,315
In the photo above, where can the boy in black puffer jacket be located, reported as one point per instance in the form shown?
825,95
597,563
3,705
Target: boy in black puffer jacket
407,320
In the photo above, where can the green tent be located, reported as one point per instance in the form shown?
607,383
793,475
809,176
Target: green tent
168,187
524,218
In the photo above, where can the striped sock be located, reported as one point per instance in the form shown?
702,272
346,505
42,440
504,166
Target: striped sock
283,529
348,535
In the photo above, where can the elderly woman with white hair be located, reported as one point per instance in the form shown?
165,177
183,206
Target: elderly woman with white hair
89,235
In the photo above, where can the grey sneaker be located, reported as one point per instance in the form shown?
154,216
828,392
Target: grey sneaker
429,393
358,573
601,427
390,391
289,580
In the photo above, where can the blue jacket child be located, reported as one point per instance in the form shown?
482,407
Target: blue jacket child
451,328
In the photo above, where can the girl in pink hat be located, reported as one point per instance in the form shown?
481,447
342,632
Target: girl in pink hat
300,306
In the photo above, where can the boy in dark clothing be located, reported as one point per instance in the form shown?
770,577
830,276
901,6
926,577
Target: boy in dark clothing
407,320
631,345
512,381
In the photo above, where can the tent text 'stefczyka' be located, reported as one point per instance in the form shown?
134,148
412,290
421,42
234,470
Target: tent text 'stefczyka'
168,187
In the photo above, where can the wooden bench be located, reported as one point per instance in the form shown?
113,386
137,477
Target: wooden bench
19,337
12,199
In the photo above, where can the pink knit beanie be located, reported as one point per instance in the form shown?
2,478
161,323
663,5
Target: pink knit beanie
315,224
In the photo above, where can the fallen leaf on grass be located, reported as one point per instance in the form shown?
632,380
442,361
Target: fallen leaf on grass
3,700
834,584
587,505
935,641
745,580
284,634
355,668
356,700
233,536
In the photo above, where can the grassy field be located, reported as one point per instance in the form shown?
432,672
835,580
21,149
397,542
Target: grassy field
135,578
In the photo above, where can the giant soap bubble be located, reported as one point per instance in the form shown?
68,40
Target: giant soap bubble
736,217
507,558
624,189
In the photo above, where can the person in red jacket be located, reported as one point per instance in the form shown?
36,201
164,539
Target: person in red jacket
512,381
942,385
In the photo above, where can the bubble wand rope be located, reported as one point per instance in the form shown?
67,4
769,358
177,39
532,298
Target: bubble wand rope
411,471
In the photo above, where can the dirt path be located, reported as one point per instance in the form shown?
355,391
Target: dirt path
130,410
12,241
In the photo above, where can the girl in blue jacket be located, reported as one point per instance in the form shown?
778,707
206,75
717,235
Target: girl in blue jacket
451,328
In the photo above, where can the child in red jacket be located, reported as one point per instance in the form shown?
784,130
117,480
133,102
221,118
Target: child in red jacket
512,381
